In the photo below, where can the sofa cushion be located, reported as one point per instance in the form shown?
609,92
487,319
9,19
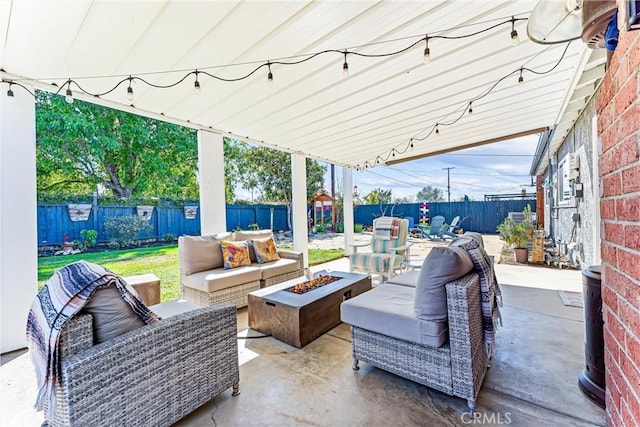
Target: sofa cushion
409,278
265,250
387,310
112,316
276,268
442,265
215,280
235,254
199,253
249,236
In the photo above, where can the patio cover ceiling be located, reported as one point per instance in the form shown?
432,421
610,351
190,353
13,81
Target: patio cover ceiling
311,108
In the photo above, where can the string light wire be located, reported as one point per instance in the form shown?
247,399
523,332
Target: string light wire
461,110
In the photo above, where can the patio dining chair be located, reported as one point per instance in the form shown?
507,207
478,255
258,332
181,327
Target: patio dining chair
389,248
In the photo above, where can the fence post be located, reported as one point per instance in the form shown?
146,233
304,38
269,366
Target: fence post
95,212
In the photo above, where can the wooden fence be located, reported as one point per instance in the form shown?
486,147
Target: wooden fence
54,221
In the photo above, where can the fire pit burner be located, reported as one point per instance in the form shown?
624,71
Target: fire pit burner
318,282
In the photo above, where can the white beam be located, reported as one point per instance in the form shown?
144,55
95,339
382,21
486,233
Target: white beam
347,208
299,205
213,216
18,219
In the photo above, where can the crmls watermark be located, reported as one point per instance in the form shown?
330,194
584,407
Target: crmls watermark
492,418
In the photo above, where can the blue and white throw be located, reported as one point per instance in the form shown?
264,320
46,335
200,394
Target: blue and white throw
63,296
489,289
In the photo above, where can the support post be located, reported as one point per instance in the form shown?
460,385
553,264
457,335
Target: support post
299,205
347,206
18,218
213,209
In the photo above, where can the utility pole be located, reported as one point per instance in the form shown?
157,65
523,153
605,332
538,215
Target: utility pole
448,183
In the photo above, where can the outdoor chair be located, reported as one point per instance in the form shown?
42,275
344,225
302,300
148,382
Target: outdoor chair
435,228
414,230
450,230
389,248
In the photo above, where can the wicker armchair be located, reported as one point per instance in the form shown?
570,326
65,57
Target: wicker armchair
151,376
457,368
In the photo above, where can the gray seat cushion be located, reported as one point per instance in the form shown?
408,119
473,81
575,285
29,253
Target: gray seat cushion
388,310
409,278
112,316
442,265
277,268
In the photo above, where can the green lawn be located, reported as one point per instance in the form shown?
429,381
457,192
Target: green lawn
161,261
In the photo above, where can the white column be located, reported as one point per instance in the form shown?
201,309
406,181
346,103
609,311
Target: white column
299,205
213,209
347,184
18,220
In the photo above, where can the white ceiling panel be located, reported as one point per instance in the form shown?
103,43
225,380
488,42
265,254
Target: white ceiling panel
310,108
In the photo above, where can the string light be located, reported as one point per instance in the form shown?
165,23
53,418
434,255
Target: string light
470,108
10,93
514,34
345,66
437,130
69,95
196,84
411,143
270,75
427,51
130,90
521,79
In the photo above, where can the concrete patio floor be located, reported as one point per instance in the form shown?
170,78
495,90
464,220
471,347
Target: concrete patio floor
532,380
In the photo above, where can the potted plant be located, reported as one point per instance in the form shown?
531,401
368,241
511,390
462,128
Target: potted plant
516,235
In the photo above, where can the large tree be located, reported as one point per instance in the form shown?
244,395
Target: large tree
430,194
378,196
81,145
268,172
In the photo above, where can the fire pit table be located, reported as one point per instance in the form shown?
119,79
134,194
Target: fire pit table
299,311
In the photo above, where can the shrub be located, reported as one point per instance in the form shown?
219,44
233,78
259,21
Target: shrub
169,238
515,234
123,230
339,227
90,237
357,228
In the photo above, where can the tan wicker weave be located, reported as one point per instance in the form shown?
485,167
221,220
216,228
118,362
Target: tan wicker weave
237,295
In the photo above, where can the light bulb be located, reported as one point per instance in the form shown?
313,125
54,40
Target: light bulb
270,79
10,95
521,79
437,130
196,85
345,66
514,34
69,96
130,93
427,51
470,109
514,38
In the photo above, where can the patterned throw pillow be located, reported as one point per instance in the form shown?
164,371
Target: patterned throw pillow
265,250
235,254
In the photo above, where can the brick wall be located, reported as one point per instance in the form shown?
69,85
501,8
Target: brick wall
618,107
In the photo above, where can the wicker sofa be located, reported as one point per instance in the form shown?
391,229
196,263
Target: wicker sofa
151,376
426,325
205,281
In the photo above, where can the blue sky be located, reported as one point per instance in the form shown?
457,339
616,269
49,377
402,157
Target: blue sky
497,168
